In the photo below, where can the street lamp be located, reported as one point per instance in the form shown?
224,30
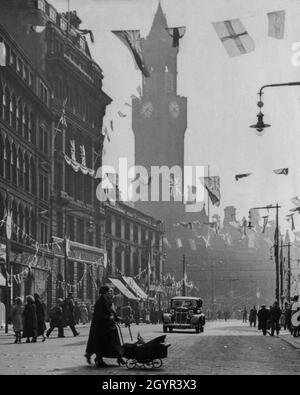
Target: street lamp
260,126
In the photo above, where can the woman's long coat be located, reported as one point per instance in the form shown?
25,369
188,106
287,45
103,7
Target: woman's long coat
40,313
30,325
103,338
17,318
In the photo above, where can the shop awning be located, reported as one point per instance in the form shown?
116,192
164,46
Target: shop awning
136,289
121,287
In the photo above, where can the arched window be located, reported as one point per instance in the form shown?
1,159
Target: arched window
26,122
20,167
19,116
14,164
32,177
26,173
13,111
7,159
6,105
31,137
1,156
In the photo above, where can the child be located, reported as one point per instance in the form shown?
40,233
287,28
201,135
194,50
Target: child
17,319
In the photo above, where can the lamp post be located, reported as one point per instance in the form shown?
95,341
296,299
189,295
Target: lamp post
260,125
276,245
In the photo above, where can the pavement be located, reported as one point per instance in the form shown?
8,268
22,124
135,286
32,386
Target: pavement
225,348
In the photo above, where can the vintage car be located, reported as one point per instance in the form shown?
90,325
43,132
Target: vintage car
185,313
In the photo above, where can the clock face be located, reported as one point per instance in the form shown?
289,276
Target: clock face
174,109
147,109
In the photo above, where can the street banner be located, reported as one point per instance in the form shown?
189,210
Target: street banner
234,37
212,185
284,171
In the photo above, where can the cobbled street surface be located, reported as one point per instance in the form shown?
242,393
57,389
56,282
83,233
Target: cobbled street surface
225,348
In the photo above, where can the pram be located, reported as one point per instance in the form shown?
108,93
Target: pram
148,355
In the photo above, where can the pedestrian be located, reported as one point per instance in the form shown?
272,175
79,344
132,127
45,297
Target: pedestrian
263,318
17,319
69,317
286,316
253,316
128,314
30,324
103,338
275,314
40,315
245,314
84,316
56,319
76,312
294,309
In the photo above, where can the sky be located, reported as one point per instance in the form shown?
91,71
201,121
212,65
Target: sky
221,92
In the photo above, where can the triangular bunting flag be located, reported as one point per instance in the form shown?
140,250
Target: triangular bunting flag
276,24
284,171
238,176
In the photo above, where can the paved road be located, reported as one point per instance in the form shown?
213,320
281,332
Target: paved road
224,348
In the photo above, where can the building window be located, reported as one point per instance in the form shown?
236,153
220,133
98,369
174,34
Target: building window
135,264
80,231
26,173
118,228
26,122
135,233
6,105
19,116
13,111
13,59
52,14
44,190
63,24
20,164
43,139
143,235
19,66
7,159
31,129
108,224
127,265
44,93
44,233
127,230
42,5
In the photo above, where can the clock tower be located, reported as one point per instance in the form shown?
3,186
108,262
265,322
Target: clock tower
159,117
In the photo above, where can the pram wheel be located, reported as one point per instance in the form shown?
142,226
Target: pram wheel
130,363
148,364
157,363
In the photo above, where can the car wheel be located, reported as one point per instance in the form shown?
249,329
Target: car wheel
170,329
165,328
197,329
201,329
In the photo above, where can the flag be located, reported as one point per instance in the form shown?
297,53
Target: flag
276,24
121,114
83,32
290,218
238,176
112,125
192,244
284,171
265,218
234,37
132,39
176,33
295,201
178,243
2,54
166,242
212,185
127,104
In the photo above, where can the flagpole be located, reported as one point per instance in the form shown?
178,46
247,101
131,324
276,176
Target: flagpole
184,276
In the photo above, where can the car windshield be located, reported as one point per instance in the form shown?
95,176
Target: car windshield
189,304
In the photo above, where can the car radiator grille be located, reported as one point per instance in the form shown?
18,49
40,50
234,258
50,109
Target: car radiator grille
181,317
